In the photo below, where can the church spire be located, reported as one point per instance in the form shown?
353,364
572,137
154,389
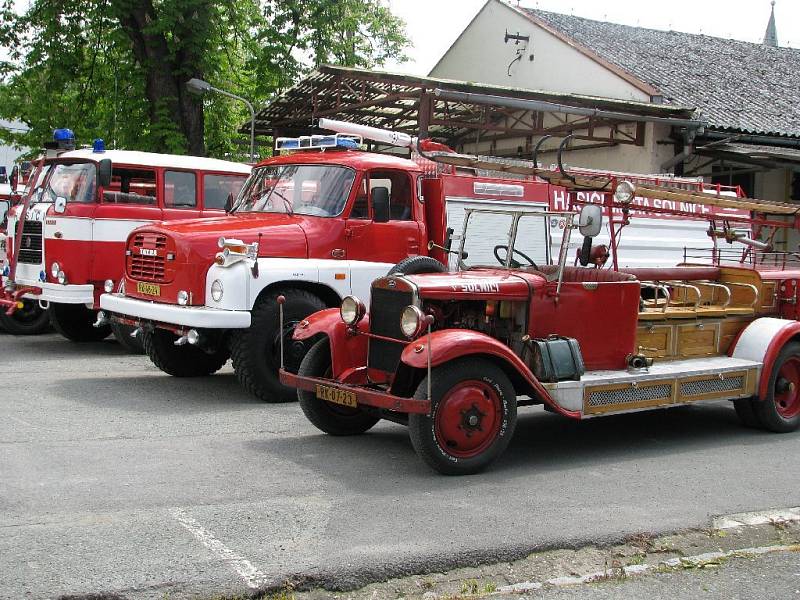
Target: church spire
771,34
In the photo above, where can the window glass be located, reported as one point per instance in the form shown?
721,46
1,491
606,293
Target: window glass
4,205
73,181
217,188
361,204
399,186
297,189
180,189
131,186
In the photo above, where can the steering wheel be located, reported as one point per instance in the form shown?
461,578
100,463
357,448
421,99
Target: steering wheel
514,263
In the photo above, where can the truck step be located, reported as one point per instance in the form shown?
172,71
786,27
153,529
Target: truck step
664,384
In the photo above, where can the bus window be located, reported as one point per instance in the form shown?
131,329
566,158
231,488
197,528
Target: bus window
180,189
131,186
217,188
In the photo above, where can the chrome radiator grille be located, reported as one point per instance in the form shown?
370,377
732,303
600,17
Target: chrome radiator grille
386,307
30,248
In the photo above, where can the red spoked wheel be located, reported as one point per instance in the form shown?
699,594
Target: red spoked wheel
787,388
780,410
473,415
468,418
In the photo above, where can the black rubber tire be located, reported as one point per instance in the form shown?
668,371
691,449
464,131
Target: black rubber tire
122,333
746,412
181,361
76,323
421,428
329,418
32,319
765,408
415,265
256,352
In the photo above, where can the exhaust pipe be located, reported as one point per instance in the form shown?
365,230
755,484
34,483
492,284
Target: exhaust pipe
191,337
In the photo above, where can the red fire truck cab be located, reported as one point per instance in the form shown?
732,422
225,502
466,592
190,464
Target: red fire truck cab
453,354
314,224
67,241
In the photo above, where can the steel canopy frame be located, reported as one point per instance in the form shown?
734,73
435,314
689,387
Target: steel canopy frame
430,107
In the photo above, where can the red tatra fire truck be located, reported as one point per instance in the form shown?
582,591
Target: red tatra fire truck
452,354
314,224
67,239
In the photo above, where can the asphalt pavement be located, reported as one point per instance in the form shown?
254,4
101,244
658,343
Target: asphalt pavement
116,478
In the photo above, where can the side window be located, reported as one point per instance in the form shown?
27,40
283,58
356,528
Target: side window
131,186
361,205
180,189
398,185
217,188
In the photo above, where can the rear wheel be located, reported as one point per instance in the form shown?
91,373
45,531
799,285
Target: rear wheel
473,416
122,333
256,351
331,418
76,322
780,410
181,361
31,319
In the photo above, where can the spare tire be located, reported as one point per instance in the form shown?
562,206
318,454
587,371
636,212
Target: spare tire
415,265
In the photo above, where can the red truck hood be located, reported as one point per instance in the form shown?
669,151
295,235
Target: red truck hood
484,284
196,239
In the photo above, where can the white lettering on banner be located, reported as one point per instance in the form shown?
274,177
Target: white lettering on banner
559,202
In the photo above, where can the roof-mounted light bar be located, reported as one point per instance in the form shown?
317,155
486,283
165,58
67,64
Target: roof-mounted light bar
316,142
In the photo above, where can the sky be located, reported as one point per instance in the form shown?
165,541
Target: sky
433,25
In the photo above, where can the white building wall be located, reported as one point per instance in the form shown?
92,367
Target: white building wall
9,154
480,55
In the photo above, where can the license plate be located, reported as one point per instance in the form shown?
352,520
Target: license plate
336,396
151,289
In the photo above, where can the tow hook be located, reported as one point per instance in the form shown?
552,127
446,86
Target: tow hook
102,319
135,333
191,337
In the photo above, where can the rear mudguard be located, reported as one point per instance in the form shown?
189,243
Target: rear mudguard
348,351
761,341
449,344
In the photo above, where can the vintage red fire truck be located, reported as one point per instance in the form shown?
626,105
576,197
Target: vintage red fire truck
70,242
453,354
314,224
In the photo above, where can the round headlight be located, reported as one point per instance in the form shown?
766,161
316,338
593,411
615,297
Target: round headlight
62,277
412,321
625,192
54,269
217,290
108,286
352,310
183,297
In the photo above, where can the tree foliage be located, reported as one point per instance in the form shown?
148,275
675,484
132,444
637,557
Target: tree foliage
117,68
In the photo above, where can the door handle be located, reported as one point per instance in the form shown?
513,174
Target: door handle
337,253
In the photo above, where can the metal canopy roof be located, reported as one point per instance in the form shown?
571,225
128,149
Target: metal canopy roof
409,104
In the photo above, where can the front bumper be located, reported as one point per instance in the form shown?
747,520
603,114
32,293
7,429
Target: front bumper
61,294
188,316
364,396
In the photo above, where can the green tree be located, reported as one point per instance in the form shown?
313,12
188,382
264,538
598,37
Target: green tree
117,68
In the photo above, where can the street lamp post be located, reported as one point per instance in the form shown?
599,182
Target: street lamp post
200,87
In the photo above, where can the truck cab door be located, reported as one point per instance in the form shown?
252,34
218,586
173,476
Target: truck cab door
383,225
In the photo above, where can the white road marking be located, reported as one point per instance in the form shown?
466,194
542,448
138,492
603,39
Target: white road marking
760,517
627,571
251,576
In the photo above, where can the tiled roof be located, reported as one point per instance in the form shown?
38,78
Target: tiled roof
734,85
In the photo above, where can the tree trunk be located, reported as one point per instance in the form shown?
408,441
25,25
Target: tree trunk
170,104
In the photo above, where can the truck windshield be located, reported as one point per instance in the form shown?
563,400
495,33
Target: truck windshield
319,190
489,235
75,182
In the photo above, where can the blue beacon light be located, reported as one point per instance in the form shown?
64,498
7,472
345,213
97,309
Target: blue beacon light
98,146
63,135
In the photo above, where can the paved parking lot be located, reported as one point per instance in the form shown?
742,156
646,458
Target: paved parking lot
117,478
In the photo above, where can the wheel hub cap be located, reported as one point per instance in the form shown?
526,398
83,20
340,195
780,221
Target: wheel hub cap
468,419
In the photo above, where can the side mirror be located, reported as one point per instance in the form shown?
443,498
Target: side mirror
14,179
104,172
380,204
60,205
590,220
